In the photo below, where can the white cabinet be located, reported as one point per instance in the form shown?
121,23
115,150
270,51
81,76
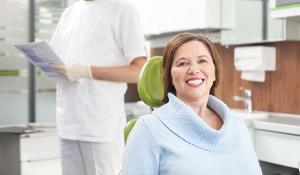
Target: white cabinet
30,154
277,148
167,16
277,139
248,23
190,15
40,154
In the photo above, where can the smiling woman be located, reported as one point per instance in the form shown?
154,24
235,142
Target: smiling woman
193,132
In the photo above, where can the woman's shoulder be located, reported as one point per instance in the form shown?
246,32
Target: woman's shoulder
149,119
150,122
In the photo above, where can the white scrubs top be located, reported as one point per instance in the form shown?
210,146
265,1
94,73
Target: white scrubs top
99,33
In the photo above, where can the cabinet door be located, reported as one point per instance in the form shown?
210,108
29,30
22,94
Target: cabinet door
277,148
248,23
186,15
39,148
168,16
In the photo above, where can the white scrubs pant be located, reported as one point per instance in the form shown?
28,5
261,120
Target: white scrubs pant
91,158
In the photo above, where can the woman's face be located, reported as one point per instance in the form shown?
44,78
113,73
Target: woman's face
193,71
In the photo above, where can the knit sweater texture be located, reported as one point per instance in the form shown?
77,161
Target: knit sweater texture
174,140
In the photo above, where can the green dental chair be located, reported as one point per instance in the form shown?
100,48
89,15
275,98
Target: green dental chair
150,89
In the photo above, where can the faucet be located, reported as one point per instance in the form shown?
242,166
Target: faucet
246,99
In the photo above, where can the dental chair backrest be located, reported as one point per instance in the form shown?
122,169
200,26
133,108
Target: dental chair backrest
150,84
150,88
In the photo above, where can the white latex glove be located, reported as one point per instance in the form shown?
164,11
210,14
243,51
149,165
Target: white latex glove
73,71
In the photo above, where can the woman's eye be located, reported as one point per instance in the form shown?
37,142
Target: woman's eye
203,61
182,64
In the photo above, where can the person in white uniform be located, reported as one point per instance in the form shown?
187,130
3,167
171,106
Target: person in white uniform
102,45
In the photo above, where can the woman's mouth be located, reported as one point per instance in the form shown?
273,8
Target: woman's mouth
195,81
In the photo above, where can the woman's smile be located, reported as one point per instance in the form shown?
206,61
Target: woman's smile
194,82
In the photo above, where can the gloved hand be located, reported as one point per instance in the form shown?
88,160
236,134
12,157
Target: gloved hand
73,71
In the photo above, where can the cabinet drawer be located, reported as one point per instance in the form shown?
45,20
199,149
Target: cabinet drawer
277,148
39,148
43,167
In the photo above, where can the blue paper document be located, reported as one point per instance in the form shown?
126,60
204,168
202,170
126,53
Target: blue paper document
42,56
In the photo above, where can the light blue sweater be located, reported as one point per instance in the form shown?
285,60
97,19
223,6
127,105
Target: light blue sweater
174,140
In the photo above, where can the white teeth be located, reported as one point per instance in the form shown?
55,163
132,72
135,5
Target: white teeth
194,82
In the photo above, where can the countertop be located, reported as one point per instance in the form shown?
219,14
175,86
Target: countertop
32,129
279,122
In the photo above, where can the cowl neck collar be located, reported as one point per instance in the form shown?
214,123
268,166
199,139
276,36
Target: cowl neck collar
185,123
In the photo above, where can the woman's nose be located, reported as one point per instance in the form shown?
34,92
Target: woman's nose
193,70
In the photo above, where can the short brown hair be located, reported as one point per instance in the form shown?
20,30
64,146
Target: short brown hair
168,57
